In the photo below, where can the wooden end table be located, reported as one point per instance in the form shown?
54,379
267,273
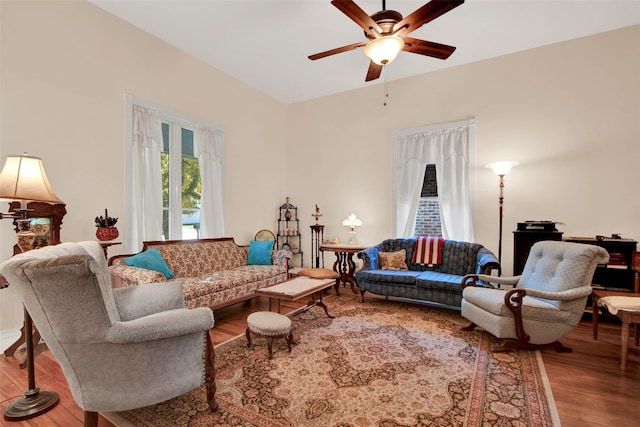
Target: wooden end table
344,264
296,288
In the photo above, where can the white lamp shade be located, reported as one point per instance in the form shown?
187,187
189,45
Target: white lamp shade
502,168
384,50
352,221
23,178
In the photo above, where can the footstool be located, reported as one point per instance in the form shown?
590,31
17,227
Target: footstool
269,325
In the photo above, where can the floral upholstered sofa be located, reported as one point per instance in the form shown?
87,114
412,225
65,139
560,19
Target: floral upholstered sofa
214,272
441,283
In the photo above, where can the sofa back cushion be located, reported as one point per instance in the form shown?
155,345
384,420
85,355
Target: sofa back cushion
198,258
458,258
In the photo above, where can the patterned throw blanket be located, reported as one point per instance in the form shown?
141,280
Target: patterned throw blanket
428,250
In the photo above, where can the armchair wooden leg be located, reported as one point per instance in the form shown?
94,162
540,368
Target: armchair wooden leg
470,327
90,419
362,291
210,373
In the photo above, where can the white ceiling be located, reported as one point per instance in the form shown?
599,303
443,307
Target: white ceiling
265,43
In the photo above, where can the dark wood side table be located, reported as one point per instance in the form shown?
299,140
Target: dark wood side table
344,264
105,247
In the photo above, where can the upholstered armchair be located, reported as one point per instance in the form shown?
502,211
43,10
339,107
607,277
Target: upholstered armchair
543,304
119,349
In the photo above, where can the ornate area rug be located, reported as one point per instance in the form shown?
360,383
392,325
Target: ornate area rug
378,363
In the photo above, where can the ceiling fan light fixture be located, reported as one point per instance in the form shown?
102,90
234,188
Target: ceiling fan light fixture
384,50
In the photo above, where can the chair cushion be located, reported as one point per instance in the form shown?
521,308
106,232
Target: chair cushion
268,323
319,273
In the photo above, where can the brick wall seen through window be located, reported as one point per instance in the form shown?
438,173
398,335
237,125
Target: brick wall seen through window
428,215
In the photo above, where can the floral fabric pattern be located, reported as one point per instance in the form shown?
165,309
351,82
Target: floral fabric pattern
212,272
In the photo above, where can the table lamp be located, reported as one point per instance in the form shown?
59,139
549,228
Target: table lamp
352,221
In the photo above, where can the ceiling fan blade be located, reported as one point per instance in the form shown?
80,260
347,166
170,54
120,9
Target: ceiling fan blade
359,16
337,50
426,13
373,72
422,47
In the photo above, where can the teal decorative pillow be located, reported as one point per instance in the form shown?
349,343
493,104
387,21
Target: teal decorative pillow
260,253
150,260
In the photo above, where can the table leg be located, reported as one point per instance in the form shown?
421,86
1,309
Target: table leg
594,302
346,267
625,345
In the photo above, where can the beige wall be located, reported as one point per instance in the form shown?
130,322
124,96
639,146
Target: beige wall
568,113
66,67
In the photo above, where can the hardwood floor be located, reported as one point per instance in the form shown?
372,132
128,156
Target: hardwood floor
588,387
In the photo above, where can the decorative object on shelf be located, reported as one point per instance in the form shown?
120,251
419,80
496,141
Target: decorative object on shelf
316,214
288,236
106,227
352,221
23,179
501,169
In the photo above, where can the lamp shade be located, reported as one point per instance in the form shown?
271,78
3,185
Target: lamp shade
502,168
384,50
352,221
23,178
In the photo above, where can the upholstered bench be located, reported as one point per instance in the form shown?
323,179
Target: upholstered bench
269,325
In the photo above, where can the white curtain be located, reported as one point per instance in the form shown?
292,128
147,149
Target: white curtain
446,147
208,149
145,219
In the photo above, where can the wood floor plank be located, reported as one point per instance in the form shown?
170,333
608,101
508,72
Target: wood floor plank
587,384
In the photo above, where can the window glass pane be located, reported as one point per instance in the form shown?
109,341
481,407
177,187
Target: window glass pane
190,224
191,181
165,137
165,224
187,142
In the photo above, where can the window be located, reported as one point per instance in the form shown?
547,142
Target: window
449,148
173,176
181,183
428,215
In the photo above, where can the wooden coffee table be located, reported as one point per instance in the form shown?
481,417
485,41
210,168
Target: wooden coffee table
296,288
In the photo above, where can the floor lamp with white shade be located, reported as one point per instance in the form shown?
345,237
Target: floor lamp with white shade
23,179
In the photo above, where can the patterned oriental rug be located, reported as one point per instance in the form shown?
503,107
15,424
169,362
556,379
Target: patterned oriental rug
378,363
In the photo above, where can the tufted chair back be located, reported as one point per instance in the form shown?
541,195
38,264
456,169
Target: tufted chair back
560,266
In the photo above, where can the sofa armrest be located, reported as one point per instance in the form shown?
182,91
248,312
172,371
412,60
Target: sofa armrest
281,257
127,275
486,261
369,258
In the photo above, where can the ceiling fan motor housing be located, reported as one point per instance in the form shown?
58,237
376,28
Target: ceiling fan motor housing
386,19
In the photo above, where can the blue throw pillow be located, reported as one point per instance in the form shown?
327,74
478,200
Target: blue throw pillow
260,253
150,260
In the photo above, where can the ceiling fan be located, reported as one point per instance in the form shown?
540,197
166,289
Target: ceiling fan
387,32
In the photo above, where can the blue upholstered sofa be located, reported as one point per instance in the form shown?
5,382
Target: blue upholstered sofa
441,284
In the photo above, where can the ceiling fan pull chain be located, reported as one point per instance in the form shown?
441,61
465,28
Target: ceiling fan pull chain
386,85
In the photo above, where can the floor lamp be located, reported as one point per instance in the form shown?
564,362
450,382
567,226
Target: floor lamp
23,179
501,169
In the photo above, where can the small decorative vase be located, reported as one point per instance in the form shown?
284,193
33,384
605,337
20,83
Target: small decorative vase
107,233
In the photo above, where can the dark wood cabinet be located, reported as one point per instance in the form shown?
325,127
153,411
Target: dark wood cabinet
618,274
522,242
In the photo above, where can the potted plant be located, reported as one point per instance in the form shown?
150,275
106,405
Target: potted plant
106,229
